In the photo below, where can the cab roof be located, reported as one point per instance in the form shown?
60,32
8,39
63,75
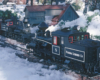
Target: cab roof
66,33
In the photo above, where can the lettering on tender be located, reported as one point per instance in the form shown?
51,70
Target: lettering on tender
75,54
81,55
55,49
68,52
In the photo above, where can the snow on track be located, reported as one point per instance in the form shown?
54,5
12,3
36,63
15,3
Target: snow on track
14,68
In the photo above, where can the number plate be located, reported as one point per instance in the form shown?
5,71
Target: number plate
56,50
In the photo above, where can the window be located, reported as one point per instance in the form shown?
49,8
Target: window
75,38
71,39
86,36
62,40
82,37
55,40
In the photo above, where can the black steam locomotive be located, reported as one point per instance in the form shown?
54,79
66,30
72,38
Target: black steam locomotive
77,47
82,52
18,30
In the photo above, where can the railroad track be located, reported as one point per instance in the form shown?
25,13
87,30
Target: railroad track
28,54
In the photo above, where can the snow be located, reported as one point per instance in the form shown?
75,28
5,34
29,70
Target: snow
41,60
14,42
94,25
14,68
48,19
53,67
81,21
34,29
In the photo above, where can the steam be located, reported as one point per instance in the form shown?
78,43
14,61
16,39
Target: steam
81,21
94,26
34,29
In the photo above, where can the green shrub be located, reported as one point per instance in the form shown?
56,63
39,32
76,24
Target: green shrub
75,6
7,15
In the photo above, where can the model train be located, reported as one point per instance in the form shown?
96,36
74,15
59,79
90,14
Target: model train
18,30
77,47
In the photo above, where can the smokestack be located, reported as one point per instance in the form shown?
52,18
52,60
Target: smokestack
31,2
26,1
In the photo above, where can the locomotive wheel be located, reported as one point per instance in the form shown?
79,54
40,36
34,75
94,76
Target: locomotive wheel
44,55
62,60
10,34
70,65
5,34
18,37
53,58
15,37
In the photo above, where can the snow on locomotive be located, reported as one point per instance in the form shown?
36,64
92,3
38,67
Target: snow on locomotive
82,52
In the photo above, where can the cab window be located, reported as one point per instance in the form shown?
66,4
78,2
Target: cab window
82,37
70,39
55,40
62,40
86,36
73,39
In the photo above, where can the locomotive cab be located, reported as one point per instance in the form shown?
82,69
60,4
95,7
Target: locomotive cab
78,48
63,40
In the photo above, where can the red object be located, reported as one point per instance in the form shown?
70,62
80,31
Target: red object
56,19
71,39
55,40
86,36
44,7
9,23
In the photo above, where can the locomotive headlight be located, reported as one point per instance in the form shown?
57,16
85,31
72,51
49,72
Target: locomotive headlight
28,25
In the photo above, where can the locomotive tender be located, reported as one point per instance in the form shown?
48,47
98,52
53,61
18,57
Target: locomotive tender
77,47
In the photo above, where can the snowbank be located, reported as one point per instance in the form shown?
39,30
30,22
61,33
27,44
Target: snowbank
14,68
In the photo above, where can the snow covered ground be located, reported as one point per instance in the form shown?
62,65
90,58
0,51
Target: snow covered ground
14,68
